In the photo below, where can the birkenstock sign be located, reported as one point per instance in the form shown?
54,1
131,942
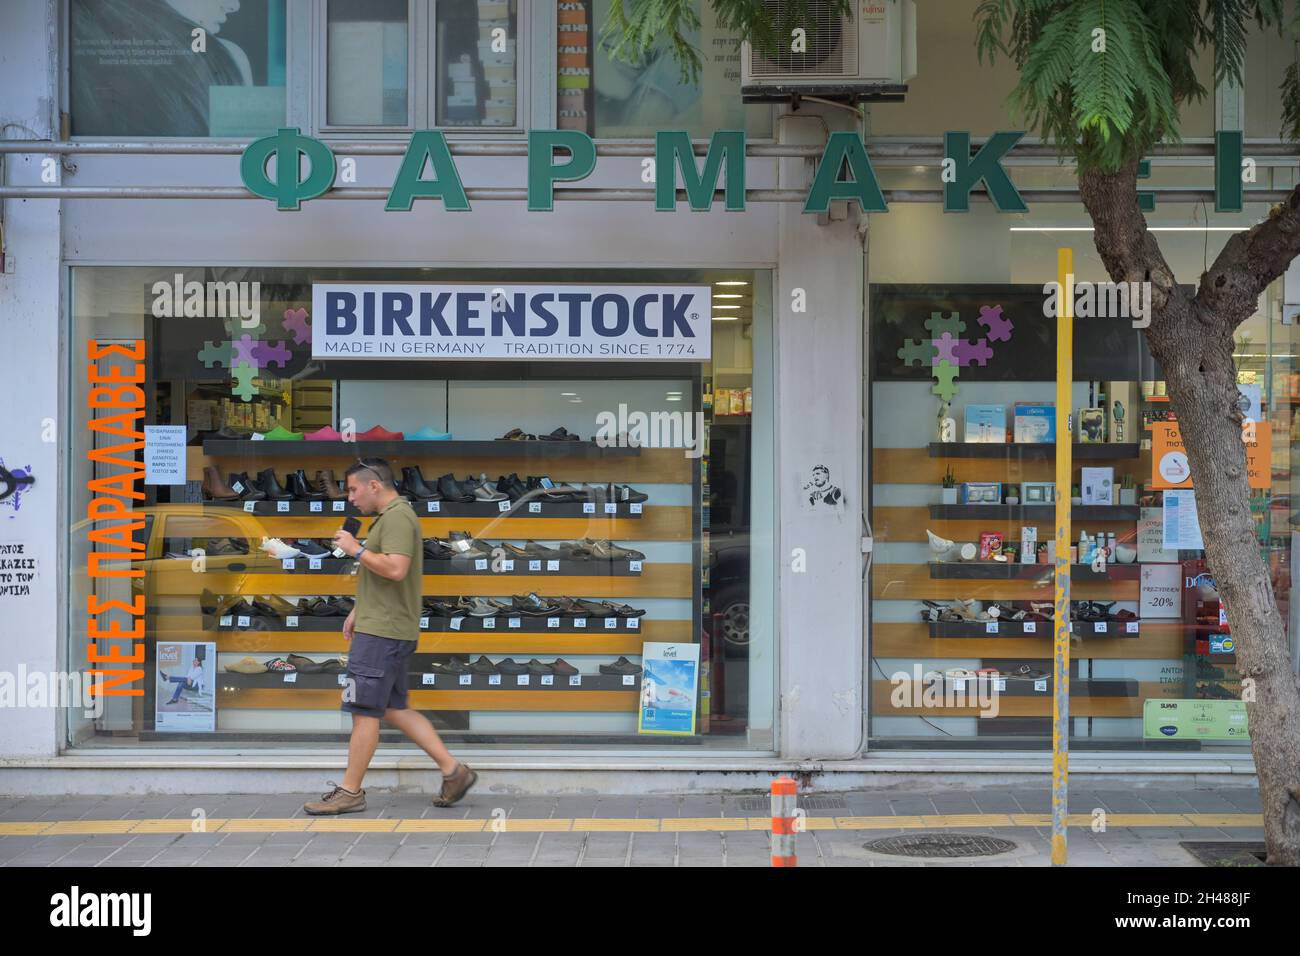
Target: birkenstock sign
530,322
961,171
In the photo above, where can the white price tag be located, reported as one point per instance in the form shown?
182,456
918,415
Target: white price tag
432,507
503,505
634,567
575,680
455,623
338,505
589,507
1131,627
552,565
1001,684
288,564
494,680
634,622
424,623
534,565
1040,685
480,564
489,624
428,678
1099,627
629,680
250,506
237,487
227,620
611,622
282,506
991,627
316,506
552,622
521,680
514,621
313,564
508,565
243,621
959,685
291,620
466,680
291,678
535,507
548,679
1031,627
579,622
635,509
611,508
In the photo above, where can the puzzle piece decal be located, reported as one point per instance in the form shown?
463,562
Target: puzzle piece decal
940,322
243,374
972,353
244,349
235,326
945,350
914,352
295,321
215,354
268,354
999,329
945,387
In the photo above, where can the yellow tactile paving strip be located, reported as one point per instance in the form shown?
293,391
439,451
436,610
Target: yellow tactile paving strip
353,824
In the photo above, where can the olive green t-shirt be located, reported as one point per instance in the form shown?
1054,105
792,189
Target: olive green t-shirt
389,608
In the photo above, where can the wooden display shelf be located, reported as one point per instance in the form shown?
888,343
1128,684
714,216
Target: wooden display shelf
539,700
1033,512
909,523
536,510
971,630
420,679
477,567
556,624
325,645
230,448
1037,705
1089,451
913,582
655,523
999,570
906,640
916,466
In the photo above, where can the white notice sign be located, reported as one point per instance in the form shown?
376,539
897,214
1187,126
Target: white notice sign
164,454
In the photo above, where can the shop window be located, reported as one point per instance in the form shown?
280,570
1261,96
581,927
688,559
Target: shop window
609,98
576,513
367,44
478,67
183,68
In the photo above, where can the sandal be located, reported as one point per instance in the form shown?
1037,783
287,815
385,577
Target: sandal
455,786
280,666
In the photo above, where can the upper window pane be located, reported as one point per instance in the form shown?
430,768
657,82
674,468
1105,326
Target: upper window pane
366,61
614,99
478,73
189,68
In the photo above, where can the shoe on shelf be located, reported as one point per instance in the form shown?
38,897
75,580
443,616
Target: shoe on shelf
428,434
532,605
216,489
560,434
483,666
620,668
511,486
280,433
326,482
621,610
334,666
537,667
217,605
511,666
453,666
227,546
434,608
625,494
451,490
483,491
247,488
465,546
310,548
226,433
481,607
302,489
379,433
305,665
279,550
415,485
535,550
323,434
277,604
576,551
247,665
517,434
279,665
269,483
563,668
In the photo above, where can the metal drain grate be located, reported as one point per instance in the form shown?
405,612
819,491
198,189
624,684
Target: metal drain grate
940,845
764,804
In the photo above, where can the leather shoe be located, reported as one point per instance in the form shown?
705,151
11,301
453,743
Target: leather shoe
302,489
451,490
270,484
216,489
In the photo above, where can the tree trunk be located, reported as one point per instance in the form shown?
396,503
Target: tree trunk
1192,339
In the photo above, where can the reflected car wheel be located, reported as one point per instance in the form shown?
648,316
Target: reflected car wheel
735,623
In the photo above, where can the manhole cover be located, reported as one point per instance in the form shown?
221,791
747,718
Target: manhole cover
762,804
940,845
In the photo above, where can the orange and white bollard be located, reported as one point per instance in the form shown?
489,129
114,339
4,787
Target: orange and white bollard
784,794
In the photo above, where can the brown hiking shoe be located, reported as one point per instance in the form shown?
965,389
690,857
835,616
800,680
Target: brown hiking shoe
455,786
337,800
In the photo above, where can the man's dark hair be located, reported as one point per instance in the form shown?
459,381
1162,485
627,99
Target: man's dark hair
376,469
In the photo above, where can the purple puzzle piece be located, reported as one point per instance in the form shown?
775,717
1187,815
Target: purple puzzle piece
972,353
945,350
295,321
267,354
999,329
243,349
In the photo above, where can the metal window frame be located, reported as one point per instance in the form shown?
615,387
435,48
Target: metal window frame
415,65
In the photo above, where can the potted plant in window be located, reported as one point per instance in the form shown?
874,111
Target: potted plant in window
948,495
1128,490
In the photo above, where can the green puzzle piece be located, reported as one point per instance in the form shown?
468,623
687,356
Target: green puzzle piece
215,353
243,374
940,322
945,387
235,327
915,352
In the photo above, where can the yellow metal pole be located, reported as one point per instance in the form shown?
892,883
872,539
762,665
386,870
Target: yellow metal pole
1064,469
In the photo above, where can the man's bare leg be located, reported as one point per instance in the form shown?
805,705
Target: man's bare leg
361,748
416,726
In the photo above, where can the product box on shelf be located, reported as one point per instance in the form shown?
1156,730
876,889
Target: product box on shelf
986,423
1092,426
990,545
981,492
1028,544
1098,486
1034,422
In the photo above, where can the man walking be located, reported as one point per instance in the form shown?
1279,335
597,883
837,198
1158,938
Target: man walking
384,628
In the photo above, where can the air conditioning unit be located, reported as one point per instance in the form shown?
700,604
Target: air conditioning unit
866,56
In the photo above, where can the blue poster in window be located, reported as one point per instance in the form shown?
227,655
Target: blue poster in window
669,688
